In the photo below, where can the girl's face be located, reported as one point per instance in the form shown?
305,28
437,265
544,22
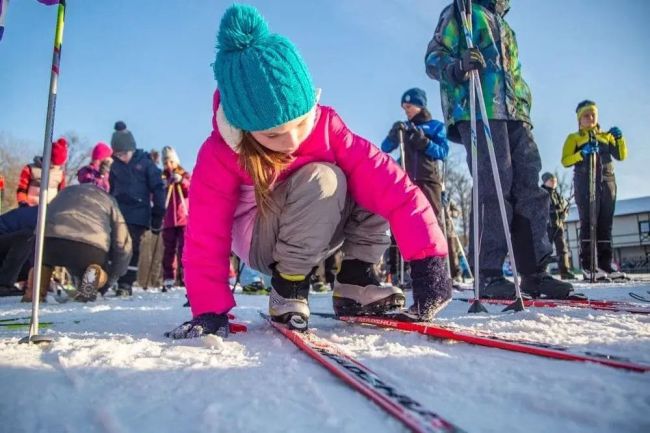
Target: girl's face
588,120
411,110
170,164
287,137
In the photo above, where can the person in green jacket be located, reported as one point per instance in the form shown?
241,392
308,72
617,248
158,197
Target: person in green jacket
508,102
577,150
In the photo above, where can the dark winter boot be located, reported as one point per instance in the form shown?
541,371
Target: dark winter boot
431,287
93,278
612,273
543,284
567,275
207,323
255,288
357,291
289,295
496,287
124,290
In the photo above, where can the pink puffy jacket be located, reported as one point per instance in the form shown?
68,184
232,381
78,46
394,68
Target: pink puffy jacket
375,182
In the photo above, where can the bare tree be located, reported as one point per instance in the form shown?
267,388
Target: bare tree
564,184
458,185
15,154
78,155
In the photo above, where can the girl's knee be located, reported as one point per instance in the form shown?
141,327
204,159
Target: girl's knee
324,179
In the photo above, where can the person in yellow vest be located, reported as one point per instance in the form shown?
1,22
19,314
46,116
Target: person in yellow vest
29,185
578,149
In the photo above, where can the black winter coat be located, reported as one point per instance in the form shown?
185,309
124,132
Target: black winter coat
139,190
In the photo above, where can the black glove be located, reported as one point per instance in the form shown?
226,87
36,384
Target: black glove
156,224
393,135
431,286
417,139
472,59
207,323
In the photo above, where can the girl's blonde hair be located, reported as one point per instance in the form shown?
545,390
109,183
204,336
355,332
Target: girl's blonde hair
263,165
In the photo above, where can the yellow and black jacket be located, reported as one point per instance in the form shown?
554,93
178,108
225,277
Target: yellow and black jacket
608,145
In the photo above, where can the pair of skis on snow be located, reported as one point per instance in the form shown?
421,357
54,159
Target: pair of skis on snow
594,304
402,407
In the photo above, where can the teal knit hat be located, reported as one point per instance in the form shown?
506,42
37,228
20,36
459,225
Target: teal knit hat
262,79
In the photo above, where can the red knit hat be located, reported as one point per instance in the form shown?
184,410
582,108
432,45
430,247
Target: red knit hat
101,151
59,151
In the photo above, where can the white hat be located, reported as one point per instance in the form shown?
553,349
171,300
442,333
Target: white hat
168,153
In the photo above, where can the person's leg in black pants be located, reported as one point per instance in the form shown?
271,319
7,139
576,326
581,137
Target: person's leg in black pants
15,249
125,283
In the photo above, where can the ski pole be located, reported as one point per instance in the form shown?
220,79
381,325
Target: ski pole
156,242
460,245
475,82
443,209
592,211
33,336
400,134
183,202
476,307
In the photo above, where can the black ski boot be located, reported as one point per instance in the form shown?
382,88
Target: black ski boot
124,290
496,287
357,291
543,284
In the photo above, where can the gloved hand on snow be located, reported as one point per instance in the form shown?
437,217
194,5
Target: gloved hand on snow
207,323
431,287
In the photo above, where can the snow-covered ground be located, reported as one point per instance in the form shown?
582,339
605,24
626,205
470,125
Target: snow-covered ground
111,370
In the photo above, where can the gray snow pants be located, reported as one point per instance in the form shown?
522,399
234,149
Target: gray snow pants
313,216
526,203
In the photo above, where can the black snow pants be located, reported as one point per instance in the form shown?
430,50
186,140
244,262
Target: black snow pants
526,202
15,250
605,205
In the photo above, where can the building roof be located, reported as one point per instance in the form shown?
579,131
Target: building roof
628,206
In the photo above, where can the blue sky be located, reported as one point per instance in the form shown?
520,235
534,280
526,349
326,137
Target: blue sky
148,63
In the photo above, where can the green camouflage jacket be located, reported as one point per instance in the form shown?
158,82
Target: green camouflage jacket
507,96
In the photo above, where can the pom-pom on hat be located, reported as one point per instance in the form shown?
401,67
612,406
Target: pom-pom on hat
122,139
169,154
415,96
59,152
262,78
101,151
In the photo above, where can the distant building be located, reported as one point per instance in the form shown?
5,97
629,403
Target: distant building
630,234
